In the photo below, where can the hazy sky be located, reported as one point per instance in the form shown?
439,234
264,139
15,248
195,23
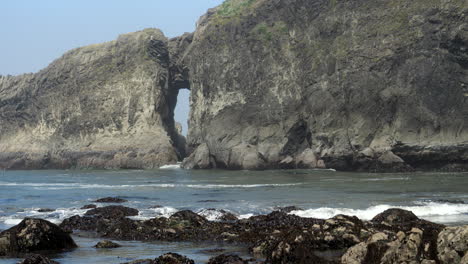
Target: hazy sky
35,32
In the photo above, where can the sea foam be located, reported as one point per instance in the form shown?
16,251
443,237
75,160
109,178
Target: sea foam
440,212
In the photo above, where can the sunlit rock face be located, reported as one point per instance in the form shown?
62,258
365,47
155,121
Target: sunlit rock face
352,85
107,105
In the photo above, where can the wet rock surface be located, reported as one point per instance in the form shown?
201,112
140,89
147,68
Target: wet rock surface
89,206
111,200
98,218
33,235
37,259
393,236
227,259
452,245
107,244
173,258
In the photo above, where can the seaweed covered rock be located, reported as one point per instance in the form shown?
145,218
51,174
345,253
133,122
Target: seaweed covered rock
96,218
107,244
227,259
173,258
33,235
37,259
111,200
113,211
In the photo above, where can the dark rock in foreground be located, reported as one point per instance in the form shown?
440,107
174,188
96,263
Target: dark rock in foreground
111,200
107,244
37,259
393,236
45,210
227,259
173,258
140,261
89,206
98,218
113,211
33,235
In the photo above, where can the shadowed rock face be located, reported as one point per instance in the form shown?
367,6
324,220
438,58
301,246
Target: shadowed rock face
108,105
352,85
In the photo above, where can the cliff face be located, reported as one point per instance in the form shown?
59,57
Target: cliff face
102,106
355,85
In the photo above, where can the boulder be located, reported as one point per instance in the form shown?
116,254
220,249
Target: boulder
101,217
199,159
307,159
288,209
113,211
107,244
37,259
395,217
34,235
173,258
140,261
452,245
89,206
45,210
218,214
190,217
227,259
111,200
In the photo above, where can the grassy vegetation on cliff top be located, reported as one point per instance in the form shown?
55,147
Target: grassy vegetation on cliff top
233,9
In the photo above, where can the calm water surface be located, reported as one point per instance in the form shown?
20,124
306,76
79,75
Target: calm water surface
439,197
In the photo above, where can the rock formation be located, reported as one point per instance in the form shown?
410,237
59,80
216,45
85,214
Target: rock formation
393,236
33,235
351,85
108,105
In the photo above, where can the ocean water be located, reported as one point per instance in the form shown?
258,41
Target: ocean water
438,197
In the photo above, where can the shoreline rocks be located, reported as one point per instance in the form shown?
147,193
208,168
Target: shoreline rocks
33,235
37,259
393,236
111,200
107,244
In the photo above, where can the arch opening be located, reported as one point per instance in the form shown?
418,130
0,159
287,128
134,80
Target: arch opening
182,110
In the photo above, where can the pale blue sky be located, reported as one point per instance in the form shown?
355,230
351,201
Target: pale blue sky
35,32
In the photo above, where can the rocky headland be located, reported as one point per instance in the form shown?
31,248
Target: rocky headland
108,105
351,85
393,236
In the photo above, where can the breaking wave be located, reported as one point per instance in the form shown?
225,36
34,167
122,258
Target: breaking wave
65,186
432,211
